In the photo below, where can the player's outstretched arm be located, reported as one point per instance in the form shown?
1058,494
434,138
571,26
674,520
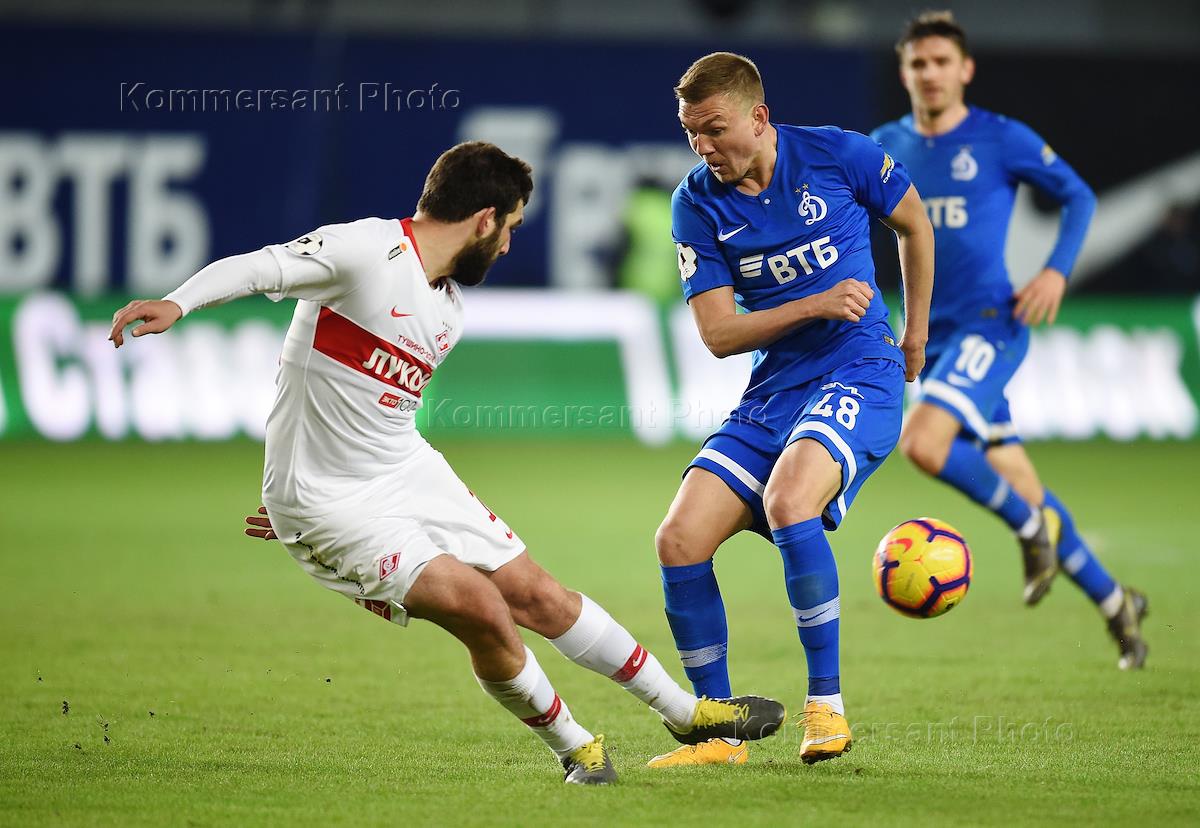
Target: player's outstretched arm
726,332
219,282
915,236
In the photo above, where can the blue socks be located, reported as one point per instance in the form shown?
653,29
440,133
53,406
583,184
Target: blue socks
968,470
696,615
812,586
1077,560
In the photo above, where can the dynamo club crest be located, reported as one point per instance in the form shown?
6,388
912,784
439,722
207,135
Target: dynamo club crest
811,206
964,167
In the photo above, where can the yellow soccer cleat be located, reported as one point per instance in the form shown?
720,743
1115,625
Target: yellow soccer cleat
712,752
826,733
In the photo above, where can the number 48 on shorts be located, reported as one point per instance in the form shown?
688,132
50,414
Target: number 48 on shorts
847,407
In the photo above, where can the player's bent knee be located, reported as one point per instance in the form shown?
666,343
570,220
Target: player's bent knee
487,623
677,545
546,607
462,601
785,506
924,451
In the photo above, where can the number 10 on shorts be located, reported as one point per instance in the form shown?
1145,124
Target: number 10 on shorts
847,409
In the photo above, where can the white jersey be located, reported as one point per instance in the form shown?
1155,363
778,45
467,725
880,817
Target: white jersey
367,334
355,494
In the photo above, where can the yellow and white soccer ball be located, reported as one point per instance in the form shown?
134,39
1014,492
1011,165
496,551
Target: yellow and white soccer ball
922,568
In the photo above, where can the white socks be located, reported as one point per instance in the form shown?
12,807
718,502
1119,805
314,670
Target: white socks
529,696
1031,526
834,700
1111,605
599,643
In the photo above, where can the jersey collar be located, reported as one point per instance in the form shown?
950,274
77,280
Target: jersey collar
910,123
406,223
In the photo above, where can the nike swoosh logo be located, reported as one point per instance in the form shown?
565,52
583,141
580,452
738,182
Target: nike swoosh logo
723,236
640,658
804,620
961,382
398,315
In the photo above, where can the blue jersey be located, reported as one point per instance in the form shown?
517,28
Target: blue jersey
968,180
807,231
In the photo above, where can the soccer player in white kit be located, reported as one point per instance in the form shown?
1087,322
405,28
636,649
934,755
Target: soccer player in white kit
369,509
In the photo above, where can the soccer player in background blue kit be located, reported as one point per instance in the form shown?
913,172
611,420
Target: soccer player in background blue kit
776,220
967,163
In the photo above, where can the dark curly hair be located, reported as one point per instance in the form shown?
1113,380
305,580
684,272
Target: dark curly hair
471,177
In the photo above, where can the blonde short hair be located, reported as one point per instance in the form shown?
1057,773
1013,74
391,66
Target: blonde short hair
721,73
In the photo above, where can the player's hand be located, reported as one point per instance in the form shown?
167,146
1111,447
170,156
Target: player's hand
156,314
261,526
914,355
1039,300
847,301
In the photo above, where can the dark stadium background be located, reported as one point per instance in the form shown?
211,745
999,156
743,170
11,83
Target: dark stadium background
160,668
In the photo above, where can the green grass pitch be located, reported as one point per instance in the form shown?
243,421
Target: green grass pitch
159,668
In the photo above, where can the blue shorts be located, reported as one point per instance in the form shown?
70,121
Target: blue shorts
967,371
854,411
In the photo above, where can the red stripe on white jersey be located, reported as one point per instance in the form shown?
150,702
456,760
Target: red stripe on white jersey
340,339
548,717
633,665
406,224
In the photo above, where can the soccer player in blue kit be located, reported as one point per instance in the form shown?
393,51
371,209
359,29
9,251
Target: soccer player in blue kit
776,220
967,163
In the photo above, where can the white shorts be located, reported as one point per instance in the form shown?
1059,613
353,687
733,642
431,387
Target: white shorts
373,551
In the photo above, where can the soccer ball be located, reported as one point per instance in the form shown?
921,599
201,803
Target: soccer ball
922,568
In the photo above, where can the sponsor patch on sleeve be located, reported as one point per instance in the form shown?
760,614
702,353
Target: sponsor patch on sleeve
306,245
687,261
885,172
1049,156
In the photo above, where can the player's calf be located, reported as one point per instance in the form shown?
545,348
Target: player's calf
466,604
596,641
966,467
581,630
530,697
536,600
463,602
1122,607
